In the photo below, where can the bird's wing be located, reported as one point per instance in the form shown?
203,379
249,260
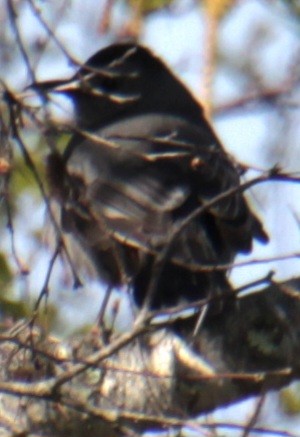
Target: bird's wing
147,177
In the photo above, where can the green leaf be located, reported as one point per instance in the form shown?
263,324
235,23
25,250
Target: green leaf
15,309
6,275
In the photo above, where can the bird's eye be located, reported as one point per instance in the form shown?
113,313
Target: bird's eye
109,84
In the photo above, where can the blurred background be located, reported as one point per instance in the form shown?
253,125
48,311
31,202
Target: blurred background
239,58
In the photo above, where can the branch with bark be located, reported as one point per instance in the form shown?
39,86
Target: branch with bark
149,377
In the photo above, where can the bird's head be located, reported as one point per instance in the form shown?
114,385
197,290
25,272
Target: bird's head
124,80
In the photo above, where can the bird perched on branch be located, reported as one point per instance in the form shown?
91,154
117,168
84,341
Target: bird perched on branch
146,188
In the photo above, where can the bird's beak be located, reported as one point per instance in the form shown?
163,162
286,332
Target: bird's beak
55,94
54,86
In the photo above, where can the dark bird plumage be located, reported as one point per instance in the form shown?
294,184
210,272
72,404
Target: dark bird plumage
147,162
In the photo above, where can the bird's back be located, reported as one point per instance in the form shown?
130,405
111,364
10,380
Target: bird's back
149,184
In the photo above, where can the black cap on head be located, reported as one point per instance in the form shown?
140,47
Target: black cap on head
124,80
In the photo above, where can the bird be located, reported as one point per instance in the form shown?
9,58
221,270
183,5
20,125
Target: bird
145,187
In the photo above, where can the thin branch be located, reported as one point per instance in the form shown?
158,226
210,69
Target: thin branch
31,165
101,355
255,99
256,430
45,289
49,31
12,18
254,416
24,270
161,258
